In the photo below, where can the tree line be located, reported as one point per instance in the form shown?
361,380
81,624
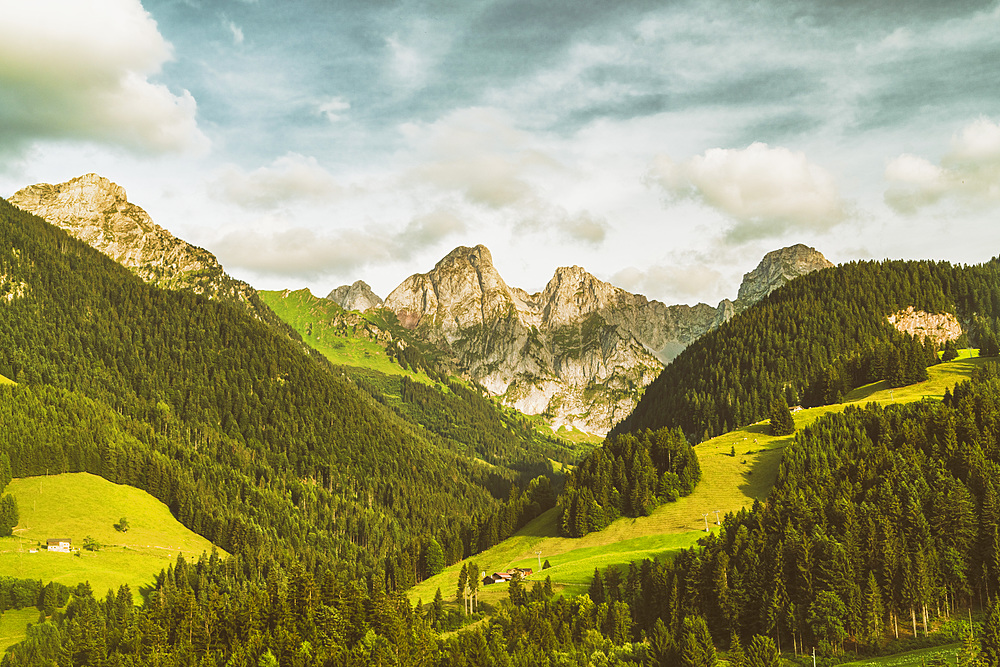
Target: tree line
729,377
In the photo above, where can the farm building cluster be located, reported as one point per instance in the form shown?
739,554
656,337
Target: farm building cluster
498,577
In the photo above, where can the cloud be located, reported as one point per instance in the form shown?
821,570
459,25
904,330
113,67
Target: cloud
291,178
583,227
81,71
298,252
237,32
333,109
478,152
765,191
969,172
682,282
405,62
426,231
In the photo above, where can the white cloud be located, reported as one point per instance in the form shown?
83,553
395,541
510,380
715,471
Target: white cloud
291,178
765,191
477,152
969,172
236,31
583,227
277,249
408,66
73,70
333,109
682,282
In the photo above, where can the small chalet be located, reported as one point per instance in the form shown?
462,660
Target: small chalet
62,544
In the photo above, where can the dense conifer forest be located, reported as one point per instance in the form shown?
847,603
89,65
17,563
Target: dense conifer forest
251,441
810,329
334,491
628,476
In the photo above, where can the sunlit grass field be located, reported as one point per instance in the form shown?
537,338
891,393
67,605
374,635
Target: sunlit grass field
78,505
313,318
4,380
918,658
728,484
12,625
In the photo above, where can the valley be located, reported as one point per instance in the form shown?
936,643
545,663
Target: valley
728,484
349,463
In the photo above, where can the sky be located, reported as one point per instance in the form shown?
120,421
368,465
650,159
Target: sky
663,146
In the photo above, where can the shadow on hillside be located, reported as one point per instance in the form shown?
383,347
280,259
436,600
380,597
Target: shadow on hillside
762,473
544,525
861,393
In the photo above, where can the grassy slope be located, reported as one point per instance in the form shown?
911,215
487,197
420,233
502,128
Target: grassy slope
12,625
77,505
917,658
4,380
311,317
728,484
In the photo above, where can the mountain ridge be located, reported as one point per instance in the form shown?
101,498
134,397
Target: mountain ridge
581,350
97,211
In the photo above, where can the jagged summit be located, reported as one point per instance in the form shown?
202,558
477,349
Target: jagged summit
462,290
776,269
581,350
357,296
97,211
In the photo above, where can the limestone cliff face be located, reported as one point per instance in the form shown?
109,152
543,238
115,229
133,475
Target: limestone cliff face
938,327
580,351
96,211
358,296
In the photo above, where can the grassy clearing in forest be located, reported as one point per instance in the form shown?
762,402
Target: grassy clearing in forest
4,380
313,318
78,505
13,623
729,483
917,658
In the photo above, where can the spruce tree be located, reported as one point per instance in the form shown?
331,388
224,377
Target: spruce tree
781,418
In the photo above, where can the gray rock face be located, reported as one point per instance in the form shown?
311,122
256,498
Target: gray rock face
96,211
580,351
358,296
776,269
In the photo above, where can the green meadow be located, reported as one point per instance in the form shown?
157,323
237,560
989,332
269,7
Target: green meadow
12,625
918,658
729,483
79,505
314,319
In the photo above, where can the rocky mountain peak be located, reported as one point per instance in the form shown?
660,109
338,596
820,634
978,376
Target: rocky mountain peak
776,269
97,211
573,294
462,290
358,296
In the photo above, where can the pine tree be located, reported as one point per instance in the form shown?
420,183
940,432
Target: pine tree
461,592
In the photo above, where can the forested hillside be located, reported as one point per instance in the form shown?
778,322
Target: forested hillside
729,377
628,476
251,442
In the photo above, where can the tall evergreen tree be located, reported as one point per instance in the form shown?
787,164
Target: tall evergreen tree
781,417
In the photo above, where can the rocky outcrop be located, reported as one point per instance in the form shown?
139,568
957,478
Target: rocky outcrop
938,327
580,351
96,211
358,296
776,269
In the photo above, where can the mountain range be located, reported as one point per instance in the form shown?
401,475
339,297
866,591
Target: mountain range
580,352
